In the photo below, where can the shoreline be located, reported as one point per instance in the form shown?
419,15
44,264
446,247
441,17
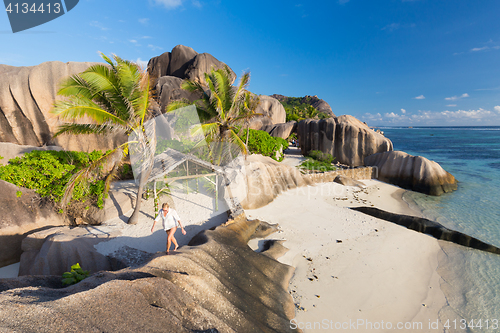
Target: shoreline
379,274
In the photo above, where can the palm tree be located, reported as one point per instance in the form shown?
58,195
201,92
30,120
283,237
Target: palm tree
250,104
221,107
104,99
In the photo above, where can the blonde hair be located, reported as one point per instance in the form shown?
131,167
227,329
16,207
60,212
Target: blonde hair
165,205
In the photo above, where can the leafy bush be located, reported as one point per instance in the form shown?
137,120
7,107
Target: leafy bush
48,172
318,155
260,142
318,162
76,275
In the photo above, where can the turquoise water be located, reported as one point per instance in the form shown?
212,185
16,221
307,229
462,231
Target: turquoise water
472,155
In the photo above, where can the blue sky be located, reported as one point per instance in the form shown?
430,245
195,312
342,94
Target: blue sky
386,62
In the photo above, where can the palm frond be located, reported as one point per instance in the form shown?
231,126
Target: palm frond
77,108
73,128
236,139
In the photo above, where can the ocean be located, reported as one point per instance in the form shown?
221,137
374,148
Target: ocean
471,278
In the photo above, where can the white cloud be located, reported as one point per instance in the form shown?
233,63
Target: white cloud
142,63
451,105
154,47
477,49
403,111
133,41
419,97
454,98
391,27
197,4
169,4
497,108
97,24
143,21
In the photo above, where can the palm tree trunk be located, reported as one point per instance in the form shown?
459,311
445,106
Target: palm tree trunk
134,218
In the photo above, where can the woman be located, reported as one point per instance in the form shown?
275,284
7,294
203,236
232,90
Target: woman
170,220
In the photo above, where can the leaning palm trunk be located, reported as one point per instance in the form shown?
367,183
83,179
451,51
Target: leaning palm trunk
142,146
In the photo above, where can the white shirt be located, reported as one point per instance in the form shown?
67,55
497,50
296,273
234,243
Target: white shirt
169,221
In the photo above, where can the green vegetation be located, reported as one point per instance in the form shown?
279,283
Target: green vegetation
260,142
48,173
76,275
318,161
298,109
114,97
224,109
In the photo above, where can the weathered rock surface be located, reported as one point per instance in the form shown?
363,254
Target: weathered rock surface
345,137
169,89
218,283
429,227
317,103
415,173
185,63
20,216
256,181
348,181
27,95
271,112
53,251
281,130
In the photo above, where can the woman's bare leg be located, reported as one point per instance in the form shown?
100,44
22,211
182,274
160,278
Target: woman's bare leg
175,242
170,235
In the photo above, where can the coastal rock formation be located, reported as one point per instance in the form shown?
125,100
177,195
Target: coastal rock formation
22,212
314,101
27,95
272,108
52,251
429,227
412,172
185,63
345,137
281,130
270,113
169,89
256,181
348,181
217,284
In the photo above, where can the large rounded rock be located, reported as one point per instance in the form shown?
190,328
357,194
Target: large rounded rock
270,112
53,251
27,95
169,89
204,63
272,108
185,63
416,173
281,130
22,212
257,180
346,138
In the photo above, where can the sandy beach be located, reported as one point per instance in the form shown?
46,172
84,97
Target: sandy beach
355,272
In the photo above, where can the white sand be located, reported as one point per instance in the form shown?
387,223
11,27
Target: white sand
378,272
196,211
